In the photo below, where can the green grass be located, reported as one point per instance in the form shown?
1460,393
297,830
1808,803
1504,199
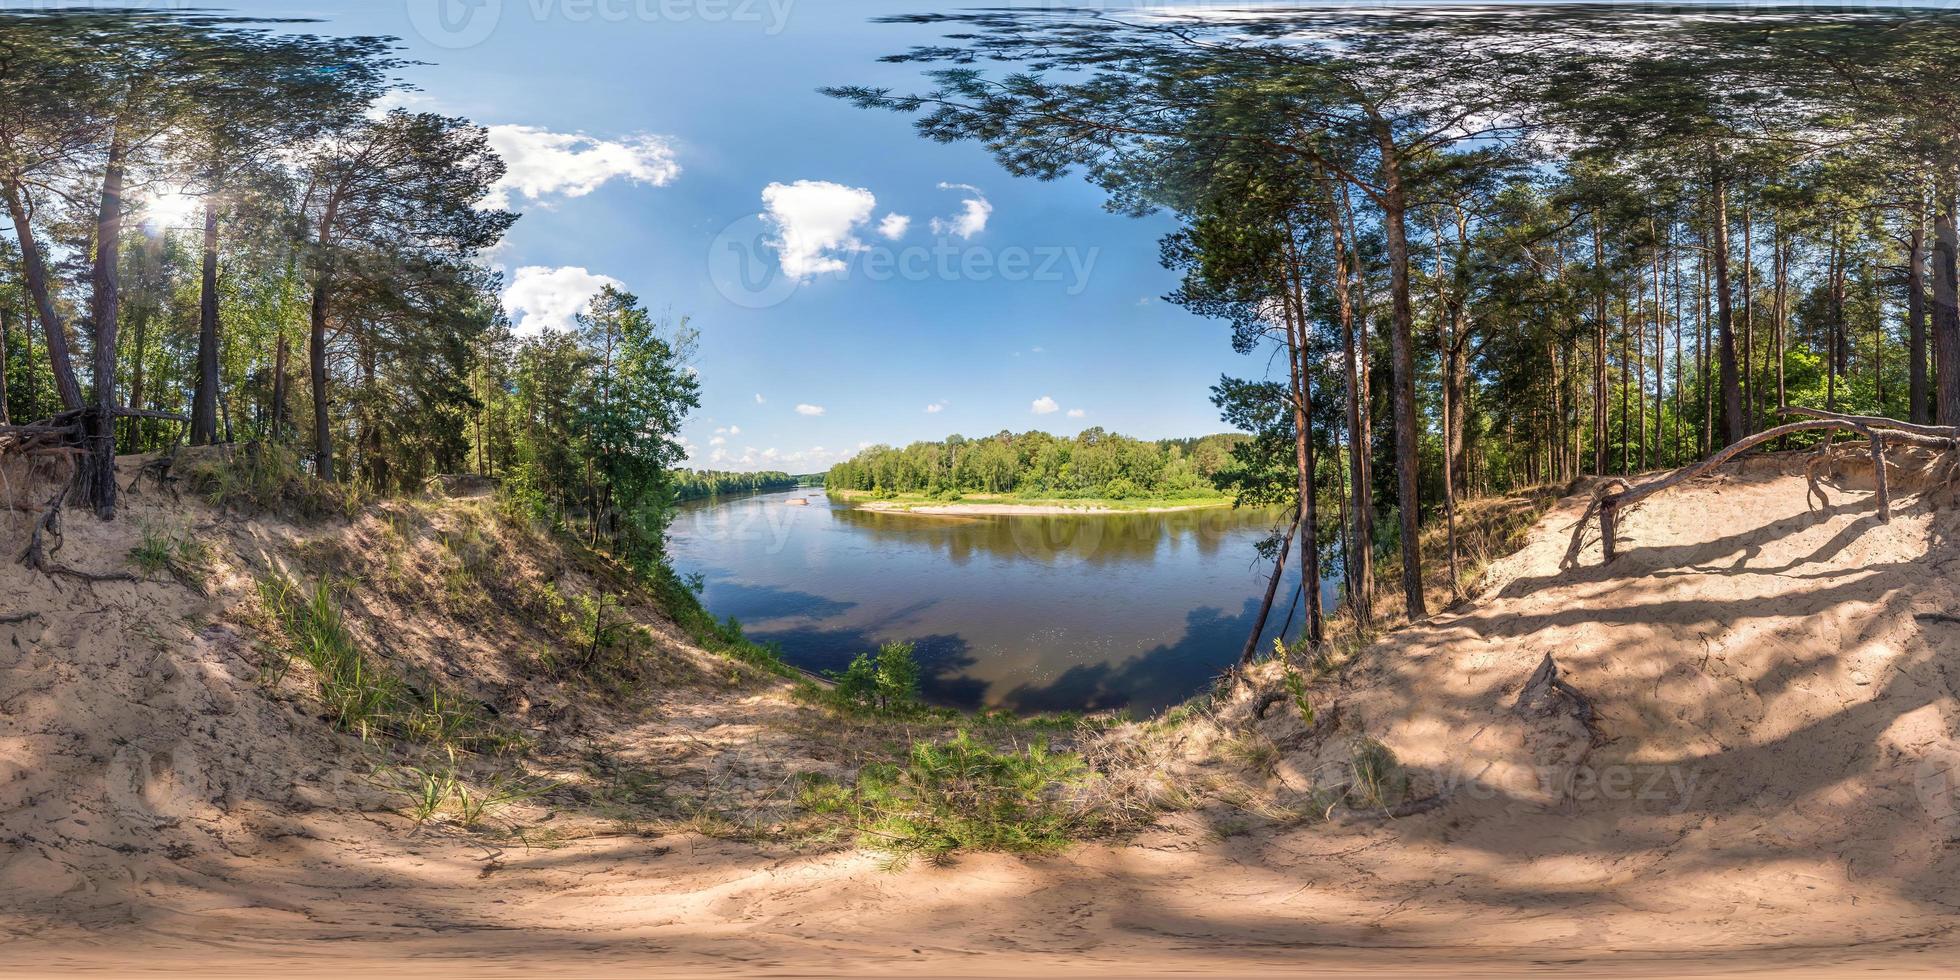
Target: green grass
262,477
958,795
178,554
361,695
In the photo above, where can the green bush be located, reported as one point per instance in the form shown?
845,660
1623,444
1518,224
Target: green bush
958,795
885,683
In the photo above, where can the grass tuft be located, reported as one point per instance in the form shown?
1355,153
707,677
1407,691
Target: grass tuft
958,795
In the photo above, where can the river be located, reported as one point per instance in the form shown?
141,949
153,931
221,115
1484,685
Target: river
1033,613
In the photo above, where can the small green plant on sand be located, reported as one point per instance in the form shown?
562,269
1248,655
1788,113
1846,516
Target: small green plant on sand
957,795
1377,777
179,555
885,683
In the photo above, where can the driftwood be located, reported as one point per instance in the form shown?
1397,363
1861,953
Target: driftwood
1614,496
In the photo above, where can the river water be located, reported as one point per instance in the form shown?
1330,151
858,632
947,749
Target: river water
1033,613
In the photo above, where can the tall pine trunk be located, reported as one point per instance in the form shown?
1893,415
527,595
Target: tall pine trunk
6,361
34,269
1733,423
317,364
204,399
105,310
1354,343
1599,349
1946,306
1919,403
1402,349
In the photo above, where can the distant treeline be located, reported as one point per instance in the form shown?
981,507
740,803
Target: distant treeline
1093,464
695,484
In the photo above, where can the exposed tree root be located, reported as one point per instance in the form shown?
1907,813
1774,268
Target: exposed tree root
39,554
1613,497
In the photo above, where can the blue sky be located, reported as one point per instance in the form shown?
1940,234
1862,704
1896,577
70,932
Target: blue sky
653,129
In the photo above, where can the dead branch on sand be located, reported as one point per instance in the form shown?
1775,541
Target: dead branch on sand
1608,503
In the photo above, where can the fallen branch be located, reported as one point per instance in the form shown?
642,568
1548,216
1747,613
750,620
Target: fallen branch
1608,505
1944,435
15,619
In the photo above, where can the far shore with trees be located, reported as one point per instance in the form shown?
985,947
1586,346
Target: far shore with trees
1038,473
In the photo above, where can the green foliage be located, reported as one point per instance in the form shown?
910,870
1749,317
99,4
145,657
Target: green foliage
1095,464
884,684
958,795
593,424
699,484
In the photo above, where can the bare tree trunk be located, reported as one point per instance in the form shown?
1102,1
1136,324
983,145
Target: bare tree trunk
1354,331
6,351
1660,354
1599,350
1446,325
106,309
1946,306
204,399
1299,360
1782,312
317,357
279,356
1834,279
1272,590
1749,406
1919,409
1733,423
1402,349
1704,362
34,269
1626,376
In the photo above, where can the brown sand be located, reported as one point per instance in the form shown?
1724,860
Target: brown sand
1766,791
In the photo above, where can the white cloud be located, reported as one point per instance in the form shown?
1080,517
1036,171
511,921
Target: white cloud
1076,413
974,212
808,409
549,297
718,441
540,162
759,399
734,430
816,224
935,408
1037,350
894,226
1044,405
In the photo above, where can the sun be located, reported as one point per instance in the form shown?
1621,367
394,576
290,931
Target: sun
167,209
